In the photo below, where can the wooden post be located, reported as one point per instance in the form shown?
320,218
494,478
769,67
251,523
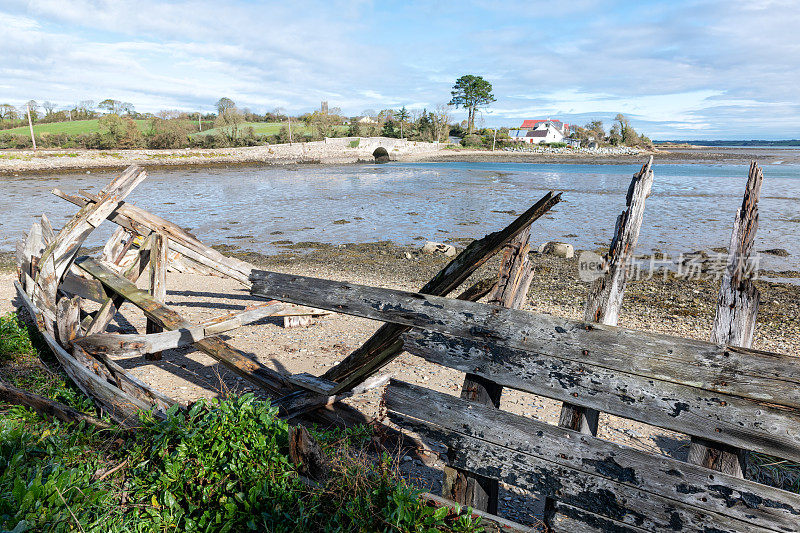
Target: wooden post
605,296
511,289
158,282
30,125
290,128
735,318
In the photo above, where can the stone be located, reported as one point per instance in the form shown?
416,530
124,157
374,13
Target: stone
558,249
437,247
780,252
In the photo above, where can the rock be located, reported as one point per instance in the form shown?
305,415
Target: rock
558,249
780,252
434,247
381,155
409,256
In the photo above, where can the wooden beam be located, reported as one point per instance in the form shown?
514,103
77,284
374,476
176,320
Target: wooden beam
158,283
384,344
122,407
59,254
235,360
637,357
180,241
653,492
735,318
47,407
510,291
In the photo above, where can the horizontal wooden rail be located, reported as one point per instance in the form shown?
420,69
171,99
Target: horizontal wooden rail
638,488
770,381
683,408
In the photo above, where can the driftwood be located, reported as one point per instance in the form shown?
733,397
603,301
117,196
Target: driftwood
170,319
306,454
735,317
47,407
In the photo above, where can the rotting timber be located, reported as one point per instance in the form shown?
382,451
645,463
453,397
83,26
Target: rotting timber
727,397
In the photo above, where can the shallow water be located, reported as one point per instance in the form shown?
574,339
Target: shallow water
691,207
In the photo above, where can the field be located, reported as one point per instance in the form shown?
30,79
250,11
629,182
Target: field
74,127
78,127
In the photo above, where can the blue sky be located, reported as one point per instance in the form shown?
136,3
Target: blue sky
678,69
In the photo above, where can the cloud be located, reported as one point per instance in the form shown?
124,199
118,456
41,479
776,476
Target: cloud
701,66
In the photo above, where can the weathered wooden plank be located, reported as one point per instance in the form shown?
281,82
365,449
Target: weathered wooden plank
713,415
28,255
181,241
383,346
68,319
710,365
649,491
491,523
568,519
297,403
88,289
510,290
116,246
735,318
158,283
743,372
122,407
59,254
169,319
47,407
605,297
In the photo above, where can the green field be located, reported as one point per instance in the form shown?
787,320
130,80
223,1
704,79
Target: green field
74,127
77,127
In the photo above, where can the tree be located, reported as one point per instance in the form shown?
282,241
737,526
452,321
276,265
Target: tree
441,122
8,112
402,116
224,104
32,106
229,121
111,106
596,129
48,107
471,92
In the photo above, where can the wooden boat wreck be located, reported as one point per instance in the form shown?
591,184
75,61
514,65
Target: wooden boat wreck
728,398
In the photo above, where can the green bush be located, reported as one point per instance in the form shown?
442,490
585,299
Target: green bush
472,140
221,466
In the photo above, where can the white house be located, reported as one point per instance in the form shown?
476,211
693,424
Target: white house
540,131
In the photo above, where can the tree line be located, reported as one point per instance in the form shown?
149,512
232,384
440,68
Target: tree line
121,126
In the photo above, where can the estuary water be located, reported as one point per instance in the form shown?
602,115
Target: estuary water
258,208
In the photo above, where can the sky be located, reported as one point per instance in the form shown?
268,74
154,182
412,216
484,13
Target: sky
682,69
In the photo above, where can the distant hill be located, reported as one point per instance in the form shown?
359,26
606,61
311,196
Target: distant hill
752,142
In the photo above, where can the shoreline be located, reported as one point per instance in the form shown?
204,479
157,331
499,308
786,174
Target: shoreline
28,162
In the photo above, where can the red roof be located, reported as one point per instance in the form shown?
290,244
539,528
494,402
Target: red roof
530,124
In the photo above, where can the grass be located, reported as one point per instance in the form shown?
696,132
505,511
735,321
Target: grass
222,466
74,127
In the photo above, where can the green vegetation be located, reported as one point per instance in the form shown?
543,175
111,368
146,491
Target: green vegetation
471,92
222,465
75,127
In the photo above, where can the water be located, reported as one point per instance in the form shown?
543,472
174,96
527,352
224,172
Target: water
691,207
